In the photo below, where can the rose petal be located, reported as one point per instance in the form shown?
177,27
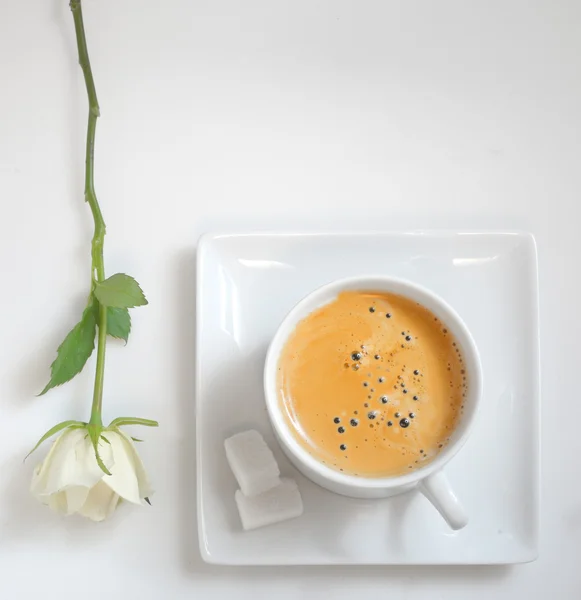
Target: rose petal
57,502
123,479
100,503
41,469
71,462
145,489
75,498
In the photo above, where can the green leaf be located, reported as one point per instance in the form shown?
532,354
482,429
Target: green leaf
54,430
118,323
120,421
136,439
75,350
120,291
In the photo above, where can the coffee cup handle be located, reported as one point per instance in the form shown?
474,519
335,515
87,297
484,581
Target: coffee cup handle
437,490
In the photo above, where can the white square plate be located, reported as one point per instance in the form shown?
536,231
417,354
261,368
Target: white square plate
247,283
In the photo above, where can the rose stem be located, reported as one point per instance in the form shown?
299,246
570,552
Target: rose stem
97,263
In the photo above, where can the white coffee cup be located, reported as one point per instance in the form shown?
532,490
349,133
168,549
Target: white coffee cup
430,479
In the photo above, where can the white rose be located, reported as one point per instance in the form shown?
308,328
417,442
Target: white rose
69,480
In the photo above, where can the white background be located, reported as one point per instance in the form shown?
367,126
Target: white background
253,115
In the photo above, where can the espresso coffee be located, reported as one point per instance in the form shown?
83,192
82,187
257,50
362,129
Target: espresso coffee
372,384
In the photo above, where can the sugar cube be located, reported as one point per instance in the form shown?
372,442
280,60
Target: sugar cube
252,462
277,504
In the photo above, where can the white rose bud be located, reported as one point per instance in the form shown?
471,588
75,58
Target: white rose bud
69,480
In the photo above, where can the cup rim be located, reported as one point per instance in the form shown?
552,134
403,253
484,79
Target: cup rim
437,305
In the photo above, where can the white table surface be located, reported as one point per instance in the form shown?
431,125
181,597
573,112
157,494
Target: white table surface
224,115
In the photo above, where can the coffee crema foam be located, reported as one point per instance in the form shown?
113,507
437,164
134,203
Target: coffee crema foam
372,384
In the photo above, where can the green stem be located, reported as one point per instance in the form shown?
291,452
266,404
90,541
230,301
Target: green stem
97,266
